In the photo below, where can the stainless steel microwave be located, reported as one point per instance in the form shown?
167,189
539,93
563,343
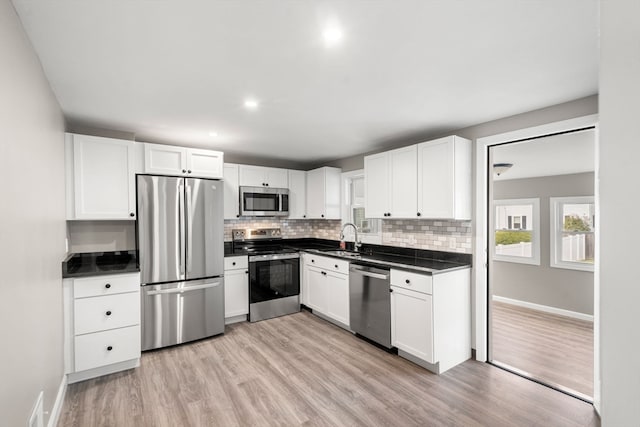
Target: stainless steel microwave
264,201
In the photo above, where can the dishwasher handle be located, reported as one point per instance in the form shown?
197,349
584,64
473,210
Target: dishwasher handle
368,273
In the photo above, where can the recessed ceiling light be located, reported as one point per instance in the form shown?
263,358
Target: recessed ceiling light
213,134
251,104
332,36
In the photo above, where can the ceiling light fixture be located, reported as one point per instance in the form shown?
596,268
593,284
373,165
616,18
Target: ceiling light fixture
251,104
332,36
213,134
500,168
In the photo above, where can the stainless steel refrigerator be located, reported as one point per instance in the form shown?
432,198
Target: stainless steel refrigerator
181,253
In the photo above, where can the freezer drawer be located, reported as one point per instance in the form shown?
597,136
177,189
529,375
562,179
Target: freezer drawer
174,313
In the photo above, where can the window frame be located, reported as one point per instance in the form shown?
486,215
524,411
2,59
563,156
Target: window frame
535,231
372,238
556,228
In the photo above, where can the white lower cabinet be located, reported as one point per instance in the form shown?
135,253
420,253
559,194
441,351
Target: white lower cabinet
107,348
412,323
102,325
431,317
236,288
327,287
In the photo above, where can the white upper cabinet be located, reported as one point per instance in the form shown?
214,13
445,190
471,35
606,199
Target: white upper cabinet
391,184
231,193
260,176
100,178
323,193
376,185
205,163
171,160
297,194
444,178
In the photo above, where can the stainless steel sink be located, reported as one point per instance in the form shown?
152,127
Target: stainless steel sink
346,254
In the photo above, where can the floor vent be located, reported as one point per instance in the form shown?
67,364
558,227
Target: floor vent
37,415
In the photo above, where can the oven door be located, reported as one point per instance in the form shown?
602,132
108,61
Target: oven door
273,277
260,201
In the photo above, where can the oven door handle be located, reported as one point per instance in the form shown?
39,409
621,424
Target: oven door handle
181,290
275,257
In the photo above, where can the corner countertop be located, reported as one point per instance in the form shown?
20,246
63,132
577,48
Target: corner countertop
418,260
99,264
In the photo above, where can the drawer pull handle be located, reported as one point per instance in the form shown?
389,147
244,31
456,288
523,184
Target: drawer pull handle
108,285
108,313
407,281
313,260
336,266
233,263
109,348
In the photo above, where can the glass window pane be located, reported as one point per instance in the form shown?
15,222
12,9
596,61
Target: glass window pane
513,232
578,238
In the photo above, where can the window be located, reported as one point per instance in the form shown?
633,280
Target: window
517,231
572,233
353,209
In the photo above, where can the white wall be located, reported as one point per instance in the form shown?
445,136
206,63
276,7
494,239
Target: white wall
32,227
619,149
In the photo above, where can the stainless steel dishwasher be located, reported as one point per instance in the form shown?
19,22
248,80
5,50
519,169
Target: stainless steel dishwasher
370,303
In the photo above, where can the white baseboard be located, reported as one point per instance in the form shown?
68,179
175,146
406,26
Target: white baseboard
57,405
545,308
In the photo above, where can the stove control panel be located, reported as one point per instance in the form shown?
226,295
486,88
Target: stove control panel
242,234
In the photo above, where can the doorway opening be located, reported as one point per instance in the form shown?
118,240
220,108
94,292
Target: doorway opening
540,259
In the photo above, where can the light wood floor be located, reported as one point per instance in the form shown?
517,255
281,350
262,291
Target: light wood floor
301,370
552,348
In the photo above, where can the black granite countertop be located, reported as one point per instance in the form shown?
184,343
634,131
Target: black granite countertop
99,263
426,261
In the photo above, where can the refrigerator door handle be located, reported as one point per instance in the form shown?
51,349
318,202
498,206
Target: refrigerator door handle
189,221
181,229
181,290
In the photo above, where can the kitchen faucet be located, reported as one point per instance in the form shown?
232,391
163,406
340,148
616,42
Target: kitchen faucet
357,243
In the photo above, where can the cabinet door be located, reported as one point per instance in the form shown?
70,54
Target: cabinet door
315,194
104,178
412,323
338,298
317,293
204,163
376,185
252,176
165,159
403,182
231,193
435,178
277,178
297,194
236,293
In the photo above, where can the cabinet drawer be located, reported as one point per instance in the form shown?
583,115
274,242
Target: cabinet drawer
236,263
327,263
106,312
105,348
413,281
106,285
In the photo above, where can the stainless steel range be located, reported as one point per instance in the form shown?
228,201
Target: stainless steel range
274,272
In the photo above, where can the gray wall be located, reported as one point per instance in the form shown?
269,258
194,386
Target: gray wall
101,236
568,110
33,228
619,176
541,284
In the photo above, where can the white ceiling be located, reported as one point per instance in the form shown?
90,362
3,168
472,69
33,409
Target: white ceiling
174,70
549,156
